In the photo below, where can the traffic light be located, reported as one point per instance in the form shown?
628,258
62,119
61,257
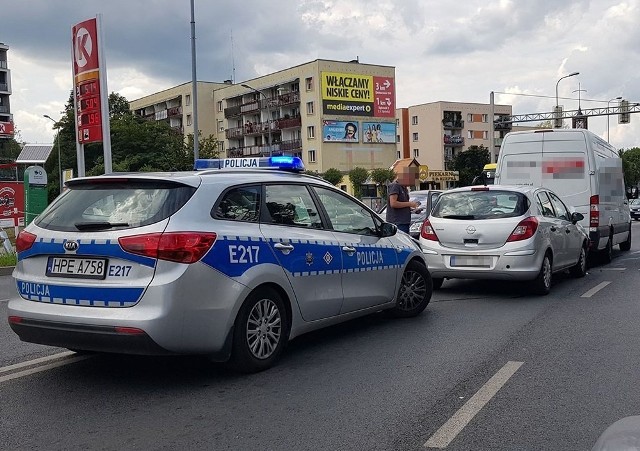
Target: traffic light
557,114
624,117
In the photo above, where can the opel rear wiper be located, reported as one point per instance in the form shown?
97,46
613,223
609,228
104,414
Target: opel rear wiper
458,217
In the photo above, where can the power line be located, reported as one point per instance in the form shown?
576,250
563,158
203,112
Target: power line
547,97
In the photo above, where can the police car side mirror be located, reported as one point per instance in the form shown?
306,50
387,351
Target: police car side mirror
388,229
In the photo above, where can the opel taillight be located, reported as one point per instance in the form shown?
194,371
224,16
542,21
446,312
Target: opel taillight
594,211
181,247
524,230
427,232
24,241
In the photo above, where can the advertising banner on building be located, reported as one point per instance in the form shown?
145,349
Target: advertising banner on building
357,95
379,132
6,129
340,131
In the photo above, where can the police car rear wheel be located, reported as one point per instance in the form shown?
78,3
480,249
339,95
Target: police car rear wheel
260,331
415,291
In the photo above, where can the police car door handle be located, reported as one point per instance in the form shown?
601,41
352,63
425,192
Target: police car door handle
348,249
285,248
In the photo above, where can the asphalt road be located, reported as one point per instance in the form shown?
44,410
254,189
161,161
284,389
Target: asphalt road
498,368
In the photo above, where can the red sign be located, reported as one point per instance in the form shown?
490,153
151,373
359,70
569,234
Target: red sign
85,47
6,129
86,71
12,201
384,98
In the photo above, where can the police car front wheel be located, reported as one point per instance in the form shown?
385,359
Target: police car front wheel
260,332
415,291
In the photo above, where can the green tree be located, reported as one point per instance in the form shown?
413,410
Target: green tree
333,176
118,106
470,163
382,177
207,147
631,165
358,176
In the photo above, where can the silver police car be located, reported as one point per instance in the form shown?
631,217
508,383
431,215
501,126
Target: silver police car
231,260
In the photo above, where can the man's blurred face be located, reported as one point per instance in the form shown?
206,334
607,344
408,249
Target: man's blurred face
408,176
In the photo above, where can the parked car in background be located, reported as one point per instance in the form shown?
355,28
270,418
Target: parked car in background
503,232
634,208
427,199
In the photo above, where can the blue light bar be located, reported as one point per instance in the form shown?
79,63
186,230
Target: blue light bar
283,163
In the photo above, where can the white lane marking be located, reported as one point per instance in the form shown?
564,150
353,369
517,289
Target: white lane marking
595,289
4,300
33,362
613,269
465,414
39,369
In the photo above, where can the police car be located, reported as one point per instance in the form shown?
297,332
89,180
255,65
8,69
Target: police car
230,260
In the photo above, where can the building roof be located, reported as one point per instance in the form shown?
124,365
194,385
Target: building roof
34,153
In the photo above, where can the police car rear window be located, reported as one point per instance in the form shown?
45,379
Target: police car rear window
113,205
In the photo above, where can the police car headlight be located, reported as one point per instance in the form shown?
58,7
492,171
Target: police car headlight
415,227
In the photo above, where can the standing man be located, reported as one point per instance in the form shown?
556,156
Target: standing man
399,208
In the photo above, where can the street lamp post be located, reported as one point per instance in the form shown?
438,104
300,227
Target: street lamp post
56,125
562,78
609,101
268,114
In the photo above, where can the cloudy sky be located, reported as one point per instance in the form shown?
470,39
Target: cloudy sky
451,51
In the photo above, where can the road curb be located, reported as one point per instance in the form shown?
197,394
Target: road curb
6,270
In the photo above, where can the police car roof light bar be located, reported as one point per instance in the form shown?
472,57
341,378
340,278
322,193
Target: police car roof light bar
283,163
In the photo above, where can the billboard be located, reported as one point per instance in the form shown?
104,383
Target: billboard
12,203
86,73
379,132
357,95
340,131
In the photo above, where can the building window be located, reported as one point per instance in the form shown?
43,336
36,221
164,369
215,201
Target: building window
311,134
187,99
485,135
221,146
397,138
485,118
309,107
308,82
469,117
312,156
219,106
343,188
414,120
416,153
397,122
220,125
470,134
188,119
415,136
397,154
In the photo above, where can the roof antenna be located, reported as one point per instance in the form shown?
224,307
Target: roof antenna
233,61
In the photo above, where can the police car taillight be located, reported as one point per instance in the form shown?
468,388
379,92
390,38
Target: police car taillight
24,241
181,247
282,162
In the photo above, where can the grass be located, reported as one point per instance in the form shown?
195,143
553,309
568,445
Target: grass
8,259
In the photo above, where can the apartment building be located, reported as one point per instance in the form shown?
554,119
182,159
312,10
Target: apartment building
333,114
434,133
6,118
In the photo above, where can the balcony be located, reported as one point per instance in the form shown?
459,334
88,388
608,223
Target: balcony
174,111
278,148
4,109
497,142
4,87
499,124
290,122
3,64
453,140
232,111
449,124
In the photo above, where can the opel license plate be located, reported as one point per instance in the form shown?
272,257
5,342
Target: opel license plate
80,267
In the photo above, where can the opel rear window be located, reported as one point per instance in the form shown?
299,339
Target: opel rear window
114,205
486,204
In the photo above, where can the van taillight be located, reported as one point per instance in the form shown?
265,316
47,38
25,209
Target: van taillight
181,247
427,232
594,211
524,230
24,241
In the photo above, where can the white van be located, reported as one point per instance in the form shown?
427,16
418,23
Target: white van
583,169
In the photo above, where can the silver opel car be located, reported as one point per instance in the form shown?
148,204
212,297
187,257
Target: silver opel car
230,261
503,232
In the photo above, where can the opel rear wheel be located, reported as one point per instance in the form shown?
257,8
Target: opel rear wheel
580,268
542,283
